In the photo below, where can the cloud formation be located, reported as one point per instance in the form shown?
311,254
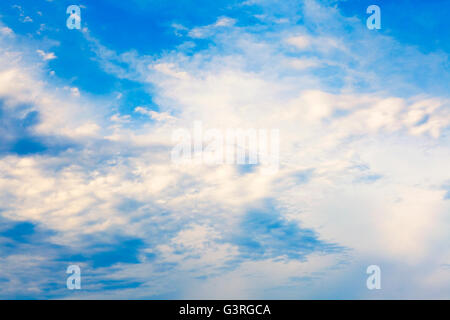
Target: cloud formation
363,167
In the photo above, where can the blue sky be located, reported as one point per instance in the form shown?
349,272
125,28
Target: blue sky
86,176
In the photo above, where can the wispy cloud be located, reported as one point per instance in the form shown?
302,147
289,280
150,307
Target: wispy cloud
46,56
364,149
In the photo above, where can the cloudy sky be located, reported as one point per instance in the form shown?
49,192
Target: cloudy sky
87,118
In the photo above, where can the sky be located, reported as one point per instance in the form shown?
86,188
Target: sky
87,120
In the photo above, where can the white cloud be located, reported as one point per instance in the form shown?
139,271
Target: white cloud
301,41
301,64
209,30
158,116
225,22
185,214
75,92
5,31
46,56
321,43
